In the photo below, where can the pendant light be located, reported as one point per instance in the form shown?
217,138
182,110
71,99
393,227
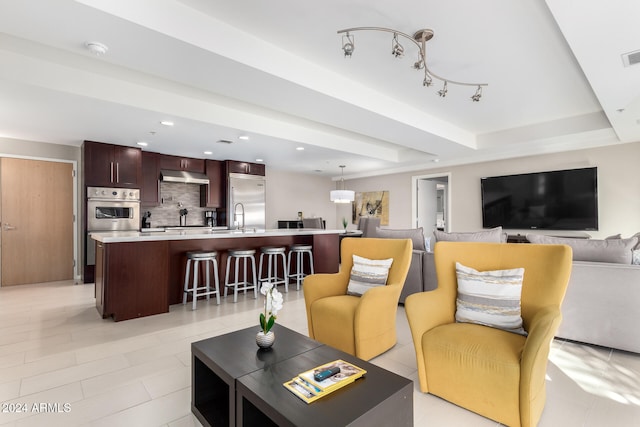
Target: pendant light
342,195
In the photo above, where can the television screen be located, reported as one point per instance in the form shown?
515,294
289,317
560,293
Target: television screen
556,200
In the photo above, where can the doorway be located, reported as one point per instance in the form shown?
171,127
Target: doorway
431,202
37,233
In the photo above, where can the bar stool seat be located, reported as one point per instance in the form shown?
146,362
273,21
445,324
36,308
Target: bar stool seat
272,253
198,291
299,249
243,256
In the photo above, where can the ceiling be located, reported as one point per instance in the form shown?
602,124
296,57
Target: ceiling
275,72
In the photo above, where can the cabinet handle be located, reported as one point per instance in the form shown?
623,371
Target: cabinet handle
111,179
117,172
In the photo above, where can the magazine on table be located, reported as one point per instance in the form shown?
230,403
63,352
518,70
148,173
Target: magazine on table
322,380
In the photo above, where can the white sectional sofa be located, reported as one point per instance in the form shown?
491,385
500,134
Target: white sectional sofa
602,303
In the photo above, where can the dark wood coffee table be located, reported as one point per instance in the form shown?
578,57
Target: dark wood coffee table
234,383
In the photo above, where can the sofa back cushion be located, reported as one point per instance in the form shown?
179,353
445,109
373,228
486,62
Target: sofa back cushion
415,234
611,250
493,235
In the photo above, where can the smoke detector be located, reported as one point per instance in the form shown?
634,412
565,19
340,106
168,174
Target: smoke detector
97,48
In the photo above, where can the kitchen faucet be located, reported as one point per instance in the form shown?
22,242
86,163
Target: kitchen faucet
235,215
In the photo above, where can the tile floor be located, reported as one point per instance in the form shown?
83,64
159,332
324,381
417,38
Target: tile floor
56,350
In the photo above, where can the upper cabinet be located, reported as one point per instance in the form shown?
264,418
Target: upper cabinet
107,165
234,166
178,163
212,195
150,189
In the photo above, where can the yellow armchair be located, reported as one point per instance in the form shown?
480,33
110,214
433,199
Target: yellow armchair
364,326
497,374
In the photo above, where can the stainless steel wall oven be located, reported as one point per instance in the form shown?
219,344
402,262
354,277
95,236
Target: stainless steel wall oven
111,209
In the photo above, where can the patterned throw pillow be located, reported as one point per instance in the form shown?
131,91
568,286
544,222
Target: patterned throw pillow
367,273
635,255
490,298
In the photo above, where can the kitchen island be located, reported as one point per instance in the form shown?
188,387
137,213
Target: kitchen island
142,274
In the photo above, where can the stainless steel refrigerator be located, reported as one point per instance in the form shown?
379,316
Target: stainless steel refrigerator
246,201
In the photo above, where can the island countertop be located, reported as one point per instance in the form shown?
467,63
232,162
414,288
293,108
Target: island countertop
197,233
142,273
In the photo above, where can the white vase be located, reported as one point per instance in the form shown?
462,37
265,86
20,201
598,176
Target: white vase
265,340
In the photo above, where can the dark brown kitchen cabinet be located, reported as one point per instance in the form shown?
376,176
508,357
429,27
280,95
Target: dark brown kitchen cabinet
150,187
108,165
178,163
212,195
234,166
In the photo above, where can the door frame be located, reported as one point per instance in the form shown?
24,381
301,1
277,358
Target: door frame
76,222
414,197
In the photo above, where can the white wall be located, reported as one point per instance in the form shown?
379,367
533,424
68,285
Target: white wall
288,193
618,188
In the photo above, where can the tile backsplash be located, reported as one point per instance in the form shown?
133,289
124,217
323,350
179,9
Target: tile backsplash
175,196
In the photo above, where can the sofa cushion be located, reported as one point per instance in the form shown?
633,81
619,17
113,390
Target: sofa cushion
415,234
490,298
367,274
493,235
612,250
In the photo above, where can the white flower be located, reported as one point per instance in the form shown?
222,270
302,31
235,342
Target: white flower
266,287
273,303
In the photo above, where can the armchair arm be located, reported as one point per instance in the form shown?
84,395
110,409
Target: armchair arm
535,355
378,306
316,286
425,311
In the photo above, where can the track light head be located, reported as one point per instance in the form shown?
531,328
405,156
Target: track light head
396,48
348,45
428,81
443,92
476,97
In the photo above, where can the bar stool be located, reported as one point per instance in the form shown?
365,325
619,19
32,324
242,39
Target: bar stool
241,255
272,253
196,257
299,250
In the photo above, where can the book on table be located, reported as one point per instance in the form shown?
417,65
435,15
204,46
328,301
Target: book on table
307,388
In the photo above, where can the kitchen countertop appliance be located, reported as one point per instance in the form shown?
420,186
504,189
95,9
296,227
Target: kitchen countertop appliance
110,209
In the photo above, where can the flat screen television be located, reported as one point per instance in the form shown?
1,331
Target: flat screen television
555,200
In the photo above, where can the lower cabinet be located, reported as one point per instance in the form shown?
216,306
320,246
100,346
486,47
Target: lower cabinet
131,279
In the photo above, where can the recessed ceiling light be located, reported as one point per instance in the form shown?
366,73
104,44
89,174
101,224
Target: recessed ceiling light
208,152
299,148
259,160
142,143
243,137
435,160
166,123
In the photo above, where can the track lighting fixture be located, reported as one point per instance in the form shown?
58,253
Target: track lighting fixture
420,39
348,45
476,97
443,92
396,48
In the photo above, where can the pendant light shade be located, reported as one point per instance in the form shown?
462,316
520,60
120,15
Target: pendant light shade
342,196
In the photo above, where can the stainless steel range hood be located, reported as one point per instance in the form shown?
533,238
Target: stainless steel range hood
183,176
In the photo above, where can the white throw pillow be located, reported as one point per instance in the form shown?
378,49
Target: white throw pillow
367,274
490,298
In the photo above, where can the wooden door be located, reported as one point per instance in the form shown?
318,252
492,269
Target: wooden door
37,221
